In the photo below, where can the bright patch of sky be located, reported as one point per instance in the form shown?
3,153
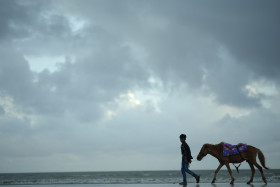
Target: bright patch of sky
41,63
77,24
264,89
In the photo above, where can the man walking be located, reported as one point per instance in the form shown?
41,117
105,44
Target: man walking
186,160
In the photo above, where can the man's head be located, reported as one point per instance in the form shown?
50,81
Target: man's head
183,137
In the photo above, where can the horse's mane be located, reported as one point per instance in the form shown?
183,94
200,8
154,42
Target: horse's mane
221,143
218,147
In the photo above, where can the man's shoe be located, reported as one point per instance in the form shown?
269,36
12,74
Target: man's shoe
197,179
183,183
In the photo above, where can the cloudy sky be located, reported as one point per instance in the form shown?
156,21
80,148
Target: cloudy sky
104,85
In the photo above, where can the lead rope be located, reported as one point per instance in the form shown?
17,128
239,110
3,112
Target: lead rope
237,167
240,162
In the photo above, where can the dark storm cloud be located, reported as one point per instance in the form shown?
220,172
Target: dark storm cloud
228,82
247,30
84,86
27,24
183,40
182,49
11,15
180,46
17,18
42,92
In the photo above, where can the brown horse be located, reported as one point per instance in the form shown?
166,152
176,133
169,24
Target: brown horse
249,155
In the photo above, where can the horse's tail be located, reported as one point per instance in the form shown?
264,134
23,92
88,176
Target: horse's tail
262,159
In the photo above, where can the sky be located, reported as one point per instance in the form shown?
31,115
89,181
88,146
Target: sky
103,85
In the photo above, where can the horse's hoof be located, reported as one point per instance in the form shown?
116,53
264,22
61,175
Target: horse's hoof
231,182
213,181
249,182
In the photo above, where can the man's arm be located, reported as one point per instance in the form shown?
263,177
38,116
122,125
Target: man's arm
188,156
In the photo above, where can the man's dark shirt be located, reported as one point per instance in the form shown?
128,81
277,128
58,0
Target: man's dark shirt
186,152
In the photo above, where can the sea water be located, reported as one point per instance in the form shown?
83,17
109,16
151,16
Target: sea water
132,177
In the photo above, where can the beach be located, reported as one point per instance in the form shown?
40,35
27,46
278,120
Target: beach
153,185
135,179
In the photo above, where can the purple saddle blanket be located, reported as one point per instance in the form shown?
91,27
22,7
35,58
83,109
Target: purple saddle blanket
229,149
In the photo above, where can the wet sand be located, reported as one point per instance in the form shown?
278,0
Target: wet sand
153,185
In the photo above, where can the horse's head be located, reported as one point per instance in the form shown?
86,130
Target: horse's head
203,152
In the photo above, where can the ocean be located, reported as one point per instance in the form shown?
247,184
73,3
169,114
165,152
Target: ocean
131,177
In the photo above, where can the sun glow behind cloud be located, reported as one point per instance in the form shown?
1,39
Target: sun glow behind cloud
262,89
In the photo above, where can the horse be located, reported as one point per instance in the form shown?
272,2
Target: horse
249,155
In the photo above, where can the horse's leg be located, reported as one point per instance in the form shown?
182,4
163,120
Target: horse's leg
216,172
230,172
261,170
253,172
